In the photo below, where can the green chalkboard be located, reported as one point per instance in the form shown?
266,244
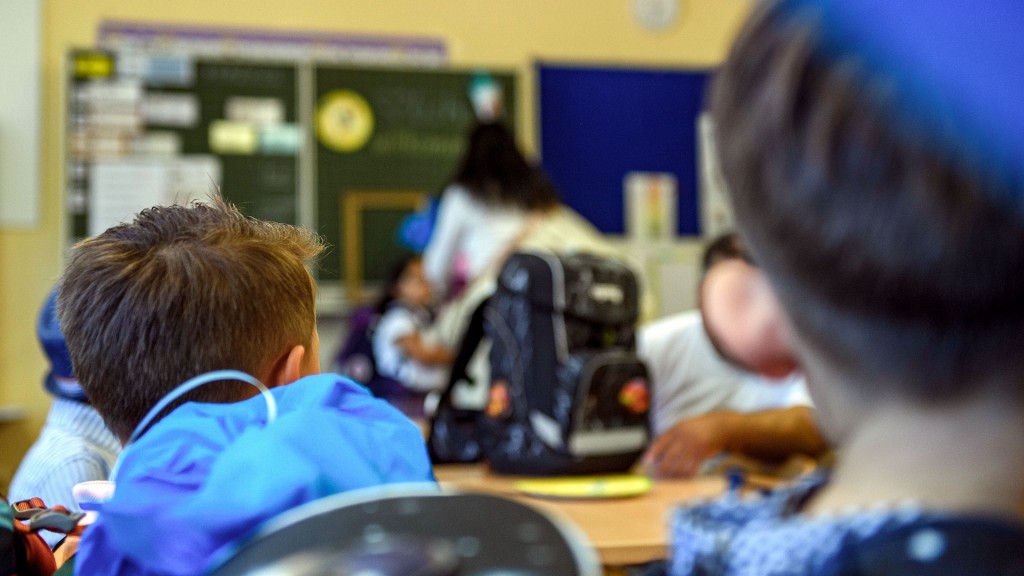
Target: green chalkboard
261,182
381,132
288,141
238,117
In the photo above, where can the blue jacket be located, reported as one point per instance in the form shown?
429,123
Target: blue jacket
205,477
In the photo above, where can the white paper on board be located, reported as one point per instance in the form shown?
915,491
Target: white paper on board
169,109
253,110
120,189
195,177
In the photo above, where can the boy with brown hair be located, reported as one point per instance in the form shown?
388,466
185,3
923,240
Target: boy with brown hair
181,292
872,150
185,290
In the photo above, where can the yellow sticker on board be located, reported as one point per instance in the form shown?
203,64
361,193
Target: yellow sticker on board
93,65
616,486
344,121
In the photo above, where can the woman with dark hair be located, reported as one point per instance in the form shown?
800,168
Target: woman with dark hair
485,208
498,202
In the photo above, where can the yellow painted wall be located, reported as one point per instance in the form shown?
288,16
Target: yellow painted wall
500,33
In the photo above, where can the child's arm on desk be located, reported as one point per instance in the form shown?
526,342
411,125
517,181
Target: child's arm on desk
417,348
767,435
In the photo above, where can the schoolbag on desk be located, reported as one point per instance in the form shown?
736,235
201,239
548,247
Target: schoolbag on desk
567,393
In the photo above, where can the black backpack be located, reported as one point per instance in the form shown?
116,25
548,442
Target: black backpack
567,393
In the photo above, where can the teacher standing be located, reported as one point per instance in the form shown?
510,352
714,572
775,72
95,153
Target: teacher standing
484,209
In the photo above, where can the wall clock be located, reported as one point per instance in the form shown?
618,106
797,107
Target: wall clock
656,14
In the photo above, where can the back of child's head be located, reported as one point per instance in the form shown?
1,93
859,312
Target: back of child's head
178,292
869,177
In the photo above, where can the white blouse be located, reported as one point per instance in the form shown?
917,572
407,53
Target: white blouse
469,229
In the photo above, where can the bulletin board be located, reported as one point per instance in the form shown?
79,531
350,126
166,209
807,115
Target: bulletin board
284,141
180,131
599,124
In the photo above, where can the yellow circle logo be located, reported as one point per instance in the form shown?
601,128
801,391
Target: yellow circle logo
344,121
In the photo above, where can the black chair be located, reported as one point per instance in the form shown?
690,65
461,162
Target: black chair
414,531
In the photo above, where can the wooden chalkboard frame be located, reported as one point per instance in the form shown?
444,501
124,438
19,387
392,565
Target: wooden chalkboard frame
353,206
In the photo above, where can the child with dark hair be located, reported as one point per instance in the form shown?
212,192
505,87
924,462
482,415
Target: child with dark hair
400,349
872,151
485,208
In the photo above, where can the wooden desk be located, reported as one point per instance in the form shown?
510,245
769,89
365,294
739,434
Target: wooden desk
624,531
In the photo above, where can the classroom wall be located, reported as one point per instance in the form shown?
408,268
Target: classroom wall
496,33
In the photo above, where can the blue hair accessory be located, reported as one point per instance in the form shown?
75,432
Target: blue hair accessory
60,381
957,69
415,230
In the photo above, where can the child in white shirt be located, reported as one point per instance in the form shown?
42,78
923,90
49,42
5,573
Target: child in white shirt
400,350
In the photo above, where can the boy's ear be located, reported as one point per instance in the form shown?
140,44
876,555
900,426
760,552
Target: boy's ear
778,357
744,319
288,368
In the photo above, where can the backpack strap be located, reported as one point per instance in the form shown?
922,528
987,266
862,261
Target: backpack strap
467,347
33,515
22,550
454,432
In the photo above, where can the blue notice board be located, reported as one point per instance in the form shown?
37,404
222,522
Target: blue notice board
597,124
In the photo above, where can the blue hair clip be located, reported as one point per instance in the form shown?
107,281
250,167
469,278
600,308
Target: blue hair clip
415,230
